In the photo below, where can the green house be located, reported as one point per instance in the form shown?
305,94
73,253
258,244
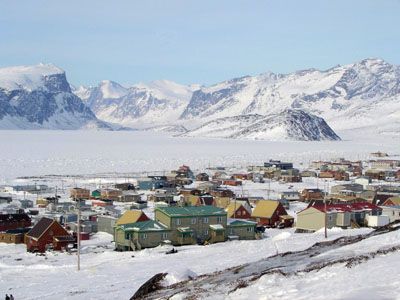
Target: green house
191,224
139,235
96,194
241,229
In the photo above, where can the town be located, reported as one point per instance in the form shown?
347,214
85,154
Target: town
187,207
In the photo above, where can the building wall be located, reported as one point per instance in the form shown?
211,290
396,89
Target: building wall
343,219
9,238
243,232
198,224
106,224
392,212
313,219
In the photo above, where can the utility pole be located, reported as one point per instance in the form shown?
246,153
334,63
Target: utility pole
79,234
326,214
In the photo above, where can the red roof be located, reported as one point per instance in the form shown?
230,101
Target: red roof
343,207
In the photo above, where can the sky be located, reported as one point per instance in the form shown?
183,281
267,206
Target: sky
195,41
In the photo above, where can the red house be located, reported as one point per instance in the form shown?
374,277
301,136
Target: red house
45,233
237,211
271,213
14,221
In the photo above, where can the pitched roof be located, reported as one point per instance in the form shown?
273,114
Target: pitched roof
175,211
149,225
240,222
394,200
130,216
343,207
40,228
14,218
265,208
232,207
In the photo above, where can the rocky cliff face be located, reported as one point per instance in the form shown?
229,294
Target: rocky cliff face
40,97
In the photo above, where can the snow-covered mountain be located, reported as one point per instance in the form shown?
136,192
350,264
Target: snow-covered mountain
40,97
360,97
363,94
142,105
286,125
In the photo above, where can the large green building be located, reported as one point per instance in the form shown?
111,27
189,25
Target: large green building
182,226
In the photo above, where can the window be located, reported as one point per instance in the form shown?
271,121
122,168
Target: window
243,212
330,217
144,236
193,220
231,231
219,220
206,232
178,221
127,236
164,235
249,229
205,220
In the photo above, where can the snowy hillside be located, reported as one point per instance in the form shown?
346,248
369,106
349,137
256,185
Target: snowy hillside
40,97
286,125
142,105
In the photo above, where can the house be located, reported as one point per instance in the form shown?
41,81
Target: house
221,192
126,186
79,193
129,196
313,218
207,186
231,182
132,216
308,173
193,224
140,235
161,197
341,215
375,174
14,221
363,180
258,177
202,177
152,182
393,212
13,236
242,176
184,172
341,176
5,199
311,194
384,164
269,212
47,233
194,200
106,223
111,194
379,154
352,187
140,204
236,210
290,195
278,164
26,203
96,194
241,229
